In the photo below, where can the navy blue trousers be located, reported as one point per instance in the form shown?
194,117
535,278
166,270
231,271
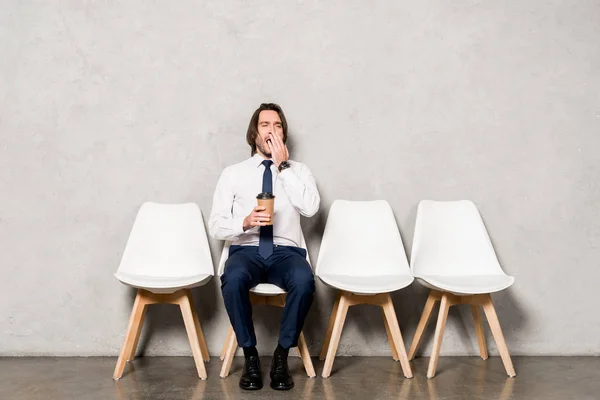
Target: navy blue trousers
287,268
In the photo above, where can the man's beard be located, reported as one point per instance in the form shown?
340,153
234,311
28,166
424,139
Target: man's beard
266,152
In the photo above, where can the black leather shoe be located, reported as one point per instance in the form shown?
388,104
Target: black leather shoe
280,374
251,378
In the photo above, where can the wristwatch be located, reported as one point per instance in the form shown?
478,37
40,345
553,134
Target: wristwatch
284,165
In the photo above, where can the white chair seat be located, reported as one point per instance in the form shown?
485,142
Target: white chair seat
467,284
367,284
159,284
267,289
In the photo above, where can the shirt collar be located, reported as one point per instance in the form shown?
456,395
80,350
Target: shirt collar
256,160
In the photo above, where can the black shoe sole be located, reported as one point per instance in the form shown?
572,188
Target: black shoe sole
281,387
251,387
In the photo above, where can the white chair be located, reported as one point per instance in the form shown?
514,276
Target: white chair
363,257
453,256
266,294
167,254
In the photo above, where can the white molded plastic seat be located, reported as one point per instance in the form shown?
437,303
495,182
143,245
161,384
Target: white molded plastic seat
452,250
362,251
363,257
167,249
452,254
162,284
467,284
367,284
167,254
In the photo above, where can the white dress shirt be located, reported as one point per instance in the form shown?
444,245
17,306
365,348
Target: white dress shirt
295,193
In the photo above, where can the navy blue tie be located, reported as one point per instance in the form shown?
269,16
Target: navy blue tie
265,243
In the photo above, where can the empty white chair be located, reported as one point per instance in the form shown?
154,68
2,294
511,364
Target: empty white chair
453,256
266,294
167,254
363,257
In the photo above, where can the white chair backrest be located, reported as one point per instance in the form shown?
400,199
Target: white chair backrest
450,239
167,240
225,254
361,238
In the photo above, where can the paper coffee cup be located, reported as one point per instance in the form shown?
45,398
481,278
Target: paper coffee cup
267,200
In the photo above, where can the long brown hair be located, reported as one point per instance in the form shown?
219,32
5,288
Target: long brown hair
253,125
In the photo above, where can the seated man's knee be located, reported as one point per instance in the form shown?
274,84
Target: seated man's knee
235,279
303,281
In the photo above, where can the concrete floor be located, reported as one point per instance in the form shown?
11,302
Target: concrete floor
170,378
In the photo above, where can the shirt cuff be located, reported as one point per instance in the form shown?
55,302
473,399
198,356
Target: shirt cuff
284,173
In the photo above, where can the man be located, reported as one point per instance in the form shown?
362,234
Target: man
262,253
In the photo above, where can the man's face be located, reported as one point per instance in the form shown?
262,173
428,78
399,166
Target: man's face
269,124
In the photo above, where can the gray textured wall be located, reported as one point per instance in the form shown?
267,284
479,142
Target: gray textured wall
106,105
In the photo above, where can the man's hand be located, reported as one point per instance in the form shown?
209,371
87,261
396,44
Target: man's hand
279,150
256,218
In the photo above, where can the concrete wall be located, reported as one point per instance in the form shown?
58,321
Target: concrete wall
105,105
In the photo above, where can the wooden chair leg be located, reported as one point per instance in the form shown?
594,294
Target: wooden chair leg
305,355
231,345
138,333
390,338
439,335
398,342
492,317
203,345
480,332
135,322
327,339
191,322
201,339
431,299
226,343
336,333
